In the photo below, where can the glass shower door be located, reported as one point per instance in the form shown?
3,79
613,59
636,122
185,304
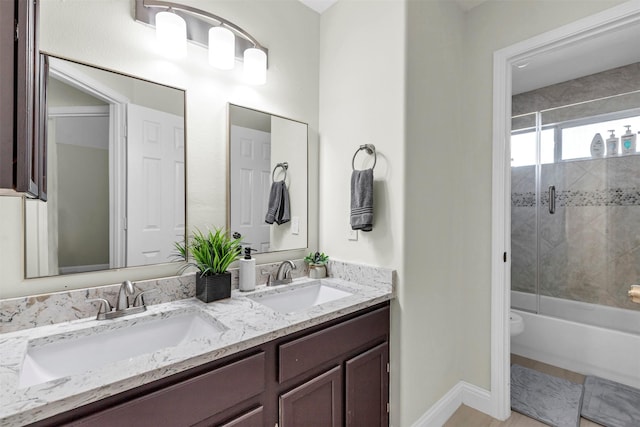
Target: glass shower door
589,218
575,217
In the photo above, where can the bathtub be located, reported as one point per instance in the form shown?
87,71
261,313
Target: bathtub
580,347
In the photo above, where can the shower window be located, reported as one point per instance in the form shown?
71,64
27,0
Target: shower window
569,140
576,139
523,147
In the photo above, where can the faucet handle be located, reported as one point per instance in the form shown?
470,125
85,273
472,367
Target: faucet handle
139,299
268,276
105,307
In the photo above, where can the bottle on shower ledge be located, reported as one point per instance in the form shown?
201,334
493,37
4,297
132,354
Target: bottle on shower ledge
612,144
629,141
597,146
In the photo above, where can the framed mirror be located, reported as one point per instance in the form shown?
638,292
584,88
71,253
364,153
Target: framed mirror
115,173
268,180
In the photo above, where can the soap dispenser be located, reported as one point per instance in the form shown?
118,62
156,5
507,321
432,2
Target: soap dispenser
629,142
612,144
247,271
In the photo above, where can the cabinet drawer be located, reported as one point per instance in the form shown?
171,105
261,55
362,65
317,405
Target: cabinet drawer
188,402
250,419
303,354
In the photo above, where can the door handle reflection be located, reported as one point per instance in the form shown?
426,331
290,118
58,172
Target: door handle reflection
552,199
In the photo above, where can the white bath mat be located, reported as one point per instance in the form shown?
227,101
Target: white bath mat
551,400
611,404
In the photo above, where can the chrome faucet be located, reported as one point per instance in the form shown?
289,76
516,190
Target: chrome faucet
126,290
283,276
124,304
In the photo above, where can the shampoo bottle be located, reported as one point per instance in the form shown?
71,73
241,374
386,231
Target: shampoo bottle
612,144
629,142
247,271
597,146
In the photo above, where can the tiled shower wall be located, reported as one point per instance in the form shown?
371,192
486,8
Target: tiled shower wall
590,247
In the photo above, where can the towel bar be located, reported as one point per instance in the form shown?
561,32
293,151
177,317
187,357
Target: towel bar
371,149
284,166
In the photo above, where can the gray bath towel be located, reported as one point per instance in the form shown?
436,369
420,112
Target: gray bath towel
278,210
362,200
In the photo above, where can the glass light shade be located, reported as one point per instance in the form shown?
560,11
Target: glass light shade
255,66
171,32
222,48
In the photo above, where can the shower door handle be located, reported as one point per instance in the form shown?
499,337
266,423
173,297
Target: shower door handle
552,199
634,293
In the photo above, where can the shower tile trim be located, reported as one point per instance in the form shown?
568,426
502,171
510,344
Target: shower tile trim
574,198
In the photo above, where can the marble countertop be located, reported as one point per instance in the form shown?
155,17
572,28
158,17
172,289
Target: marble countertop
243,322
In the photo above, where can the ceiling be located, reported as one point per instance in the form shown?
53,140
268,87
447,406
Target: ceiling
322,5
592,55
609,50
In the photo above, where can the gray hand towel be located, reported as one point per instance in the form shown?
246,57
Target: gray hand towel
278,210
274,203
362,200
284,213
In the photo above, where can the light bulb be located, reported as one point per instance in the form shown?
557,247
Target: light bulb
171,32
255,66
222,48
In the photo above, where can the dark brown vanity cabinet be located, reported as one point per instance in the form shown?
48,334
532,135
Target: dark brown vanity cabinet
22,154
333,374
346,365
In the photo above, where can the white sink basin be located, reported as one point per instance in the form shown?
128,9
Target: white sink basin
132,337
299,297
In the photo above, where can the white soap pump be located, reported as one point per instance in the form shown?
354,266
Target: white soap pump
612,144
247,271
628,141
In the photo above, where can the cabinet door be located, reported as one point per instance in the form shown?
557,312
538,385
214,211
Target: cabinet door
316,403
27,103
7,38
368,388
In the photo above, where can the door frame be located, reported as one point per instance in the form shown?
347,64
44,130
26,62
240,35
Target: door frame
117,153
503,60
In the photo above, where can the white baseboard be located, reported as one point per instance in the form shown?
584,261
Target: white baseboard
462,393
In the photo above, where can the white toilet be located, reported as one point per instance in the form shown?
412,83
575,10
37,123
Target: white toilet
516,324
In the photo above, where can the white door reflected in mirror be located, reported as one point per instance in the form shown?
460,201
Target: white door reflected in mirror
258,143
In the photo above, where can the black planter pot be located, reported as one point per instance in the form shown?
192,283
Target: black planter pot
213,288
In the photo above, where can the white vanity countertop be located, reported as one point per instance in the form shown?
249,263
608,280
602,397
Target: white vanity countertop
247,324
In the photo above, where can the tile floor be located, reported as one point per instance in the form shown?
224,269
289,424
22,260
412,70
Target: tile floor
468,417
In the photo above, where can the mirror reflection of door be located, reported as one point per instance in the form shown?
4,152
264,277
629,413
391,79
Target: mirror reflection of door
155,198
116,182
258,143
251,155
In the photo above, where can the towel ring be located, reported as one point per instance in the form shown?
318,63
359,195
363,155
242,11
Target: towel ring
371,149
284,166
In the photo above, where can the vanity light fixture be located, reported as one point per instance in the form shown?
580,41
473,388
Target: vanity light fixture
255,66
222,48
226,41
171,33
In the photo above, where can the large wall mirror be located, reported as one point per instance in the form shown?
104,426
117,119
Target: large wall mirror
115,173
268,165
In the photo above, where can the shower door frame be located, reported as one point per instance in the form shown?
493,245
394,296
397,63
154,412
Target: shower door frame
503,60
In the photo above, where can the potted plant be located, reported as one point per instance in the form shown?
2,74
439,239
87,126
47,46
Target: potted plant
211,254
317,264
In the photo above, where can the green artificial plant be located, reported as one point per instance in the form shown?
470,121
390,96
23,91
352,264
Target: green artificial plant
211,253
316,258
